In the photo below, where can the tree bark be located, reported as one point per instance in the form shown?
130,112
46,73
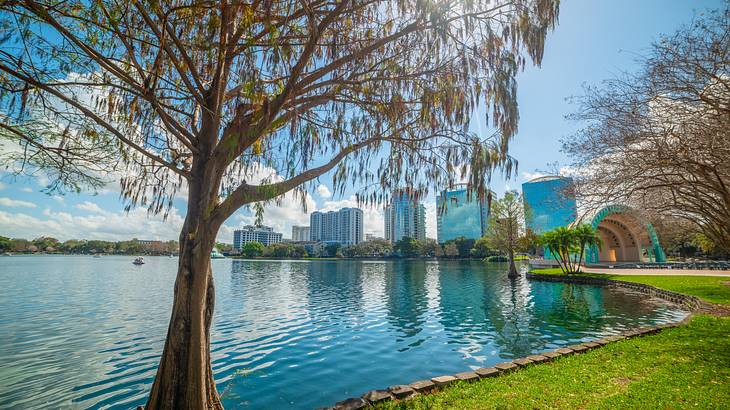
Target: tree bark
512,268
184,377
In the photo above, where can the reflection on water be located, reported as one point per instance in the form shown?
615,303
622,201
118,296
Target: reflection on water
79,332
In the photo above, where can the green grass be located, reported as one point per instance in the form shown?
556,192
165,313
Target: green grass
715,289
684,367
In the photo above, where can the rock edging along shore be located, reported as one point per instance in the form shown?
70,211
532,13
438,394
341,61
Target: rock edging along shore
691,302
405,391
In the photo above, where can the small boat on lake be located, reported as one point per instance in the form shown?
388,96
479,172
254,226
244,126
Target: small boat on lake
139,261
216,255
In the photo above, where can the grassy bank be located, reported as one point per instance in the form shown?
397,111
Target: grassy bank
714,289
684,367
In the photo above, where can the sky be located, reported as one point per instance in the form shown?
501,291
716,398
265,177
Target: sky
594,40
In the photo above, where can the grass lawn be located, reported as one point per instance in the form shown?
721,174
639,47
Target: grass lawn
715,289
683,367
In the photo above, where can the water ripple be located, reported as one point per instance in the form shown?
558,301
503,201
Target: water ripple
82,332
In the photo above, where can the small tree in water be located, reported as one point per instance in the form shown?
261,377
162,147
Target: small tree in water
506,222
237,103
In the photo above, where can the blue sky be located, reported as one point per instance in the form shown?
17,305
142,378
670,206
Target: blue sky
595,40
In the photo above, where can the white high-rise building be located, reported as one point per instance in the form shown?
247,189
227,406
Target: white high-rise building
344,226
404,217
299,233
264,235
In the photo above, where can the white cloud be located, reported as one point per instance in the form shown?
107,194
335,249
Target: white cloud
3,186
14,203
528,176
27,189
90,207
108,226
324,191
58,198
566,171
42,180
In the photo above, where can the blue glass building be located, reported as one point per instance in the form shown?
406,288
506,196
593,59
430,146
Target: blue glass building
460,214
405,216
549,203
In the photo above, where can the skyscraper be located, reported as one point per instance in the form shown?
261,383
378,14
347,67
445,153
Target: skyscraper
300,233
549,203
344,226
460,214
405,217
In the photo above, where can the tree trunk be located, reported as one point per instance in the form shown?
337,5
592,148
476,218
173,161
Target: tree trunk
512,268
184,377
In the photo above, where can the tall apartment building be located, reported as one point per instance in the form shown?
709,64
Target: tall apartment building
344,226
249,233
459,214
405,217
300,233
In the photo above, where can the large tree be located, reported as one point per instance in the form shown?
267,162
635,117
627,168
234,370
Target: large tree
659,139
235,103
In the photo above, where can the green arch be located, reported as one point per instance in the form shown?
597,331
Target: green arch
656,253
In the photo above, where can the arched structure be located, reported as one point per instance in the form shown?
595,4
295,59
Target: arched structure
625,237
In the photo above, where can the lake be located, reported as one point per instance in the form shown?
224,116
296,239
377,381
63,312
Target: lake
83,332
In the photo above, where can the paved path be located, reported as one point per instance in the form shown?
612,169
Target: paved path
659,272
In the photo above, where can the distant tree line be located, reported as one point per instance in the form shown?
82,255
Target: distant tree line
49,244
459,248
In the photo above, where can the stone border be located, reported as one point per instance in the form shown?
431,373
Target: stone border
691,302
405,391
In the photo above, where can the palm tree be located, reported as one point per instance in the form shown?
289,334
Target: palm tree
586,236
568,245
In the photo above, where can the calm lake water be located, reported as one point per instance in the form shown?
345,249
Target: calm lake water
83,332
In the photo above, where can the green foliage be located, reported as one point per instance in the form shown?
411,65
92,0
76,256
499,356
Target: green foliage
80,246
225,248
278,250
568,245
373,248
482,249
332,250
684,367
252,249
451,250
408,247
46,243
428,247
463,247
5,244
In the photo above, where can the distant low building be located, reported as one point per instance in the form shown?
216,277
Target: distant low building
313,248
300,233
373,237
264,235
